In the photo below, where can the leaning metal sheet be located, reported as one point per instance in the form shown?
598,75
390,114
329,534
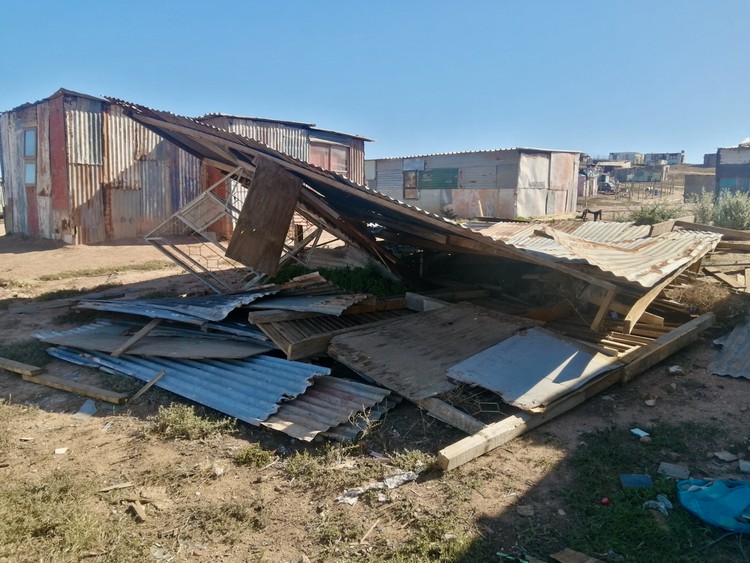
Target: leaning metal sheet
734,358
532,369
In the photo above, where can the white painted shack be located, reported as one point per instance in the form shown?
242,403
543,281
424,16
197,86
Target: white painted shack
77,169
733,168
504,183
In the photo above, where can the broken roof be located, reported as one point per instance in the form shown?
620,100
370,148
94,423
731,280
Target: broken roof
350,211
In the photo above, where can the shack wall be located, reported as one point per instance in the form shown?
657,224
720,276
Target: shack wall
733,169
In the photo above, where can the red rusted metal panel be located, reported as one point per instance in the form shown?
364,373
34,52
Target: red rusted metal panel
59,167
32,211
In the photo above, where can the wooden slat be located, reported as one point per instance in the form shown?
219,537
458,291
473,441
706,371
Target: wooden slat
152,324
728,233
499,433
82,389
18,367
451,415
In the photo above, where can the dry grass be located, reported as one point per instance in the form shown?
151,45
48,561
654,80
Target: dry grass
703,296
181,421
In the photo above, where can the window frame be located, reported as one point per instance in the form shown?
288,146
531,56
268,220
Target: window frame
30,160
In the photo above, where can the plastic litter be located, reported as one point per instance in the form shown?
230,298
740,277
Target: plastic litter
721,503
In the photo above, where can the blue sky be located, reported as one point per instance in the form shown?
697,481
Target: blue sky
419,77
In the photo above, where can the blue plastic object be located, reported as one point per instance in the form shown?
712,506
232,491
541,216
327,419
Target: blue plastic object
720,503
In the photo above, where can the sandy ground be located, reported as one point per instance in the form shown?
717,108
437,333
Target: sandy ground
483,495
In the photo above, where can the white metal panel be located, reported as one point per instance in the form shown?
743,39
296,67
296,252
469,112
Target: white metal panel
533,171
563,171
734,155
389,180
531,202
43,173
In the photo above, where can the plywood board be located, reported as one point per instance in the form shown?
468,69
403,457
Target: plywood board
258,239
412,355
532,369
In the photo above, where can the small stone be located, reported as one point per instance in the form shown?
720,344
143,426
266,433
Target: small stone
725,456
645,439
675,370
650,402
26,439
560,512
744,466
218,470
61,451
525,510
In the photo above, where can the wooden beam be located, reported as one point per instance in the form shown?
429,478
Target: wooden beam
499,433
82,389
276,315
18,367
148,386
451,415
604,305
597,298
733,234
137,337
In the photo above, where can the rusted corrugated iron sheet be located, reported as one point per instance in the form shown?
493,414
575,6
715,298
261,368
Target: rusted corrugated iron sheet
83,118
249,390
622,249
328,402
288,139
324,304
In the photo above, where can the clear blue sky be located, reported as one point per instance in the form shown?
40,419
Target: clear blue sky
419,77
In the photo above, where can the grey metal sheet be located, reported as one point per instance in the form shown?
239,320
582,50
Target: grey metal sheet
249,390
734,357
105,337
352,429
532,369
328,402
326,304
193,310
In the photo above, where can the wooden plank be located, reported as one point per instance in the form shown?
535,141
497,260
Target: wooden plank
747,280
732,234
719,275
499,433
258,239
568,555
148,386
152,324
18,367
601,314
82,389
421,303
277,315
451,415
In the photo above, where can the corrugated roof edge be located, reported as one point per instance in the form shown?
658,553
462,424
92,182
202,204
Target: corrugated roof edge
58,92
522,149
131,106
311,126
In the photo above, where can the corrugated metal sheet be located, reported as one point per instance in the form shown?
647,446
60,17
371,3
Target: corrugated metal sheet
249,390
328,402
517,371
83,117
291,140
351,430
193,310
734,358
622,249
325,304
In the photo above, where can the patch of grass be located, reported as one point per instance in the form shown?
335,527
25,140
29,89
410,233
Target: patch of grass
7,284
31,351
52,521
8,414
321,468
440,537
150,266
253,455
412,460
181,421
356,280
625,527
230,519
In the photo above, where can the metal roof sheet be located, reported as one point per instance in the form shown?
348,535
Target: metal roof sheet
249,390
517,371
328,402
484,151
326,304
213,307
623,249
734,358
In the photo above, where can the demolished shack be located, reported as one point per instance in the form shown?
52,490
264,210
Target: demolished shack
618,324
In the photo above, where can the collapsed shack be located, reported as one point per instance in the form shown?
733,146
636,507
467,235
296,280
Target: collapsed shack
475,333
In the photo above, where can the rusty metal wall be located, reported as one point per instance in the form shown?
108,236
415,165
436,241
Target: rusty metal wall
293,141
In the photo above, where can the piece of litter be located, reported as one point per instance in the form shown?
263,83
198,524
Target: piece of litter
744,466
674,470
636,481
675,370
88,408
645,439
656,505
638,432
725,456
107,426
665,501
26,439
650,402
350,496
61,451
525,510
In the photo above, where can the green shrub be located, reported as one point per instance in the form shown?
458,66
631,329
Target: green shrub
653,213
732,210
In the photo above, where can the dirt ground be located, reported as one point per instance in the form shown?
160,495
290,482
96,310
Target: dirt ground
301,519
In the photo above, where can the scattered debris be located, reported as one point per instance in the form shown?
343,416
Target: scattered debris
720,503
116,487
674,470
640,433
662,504
351,496
725,456
675,370
636,481
61,451
87,410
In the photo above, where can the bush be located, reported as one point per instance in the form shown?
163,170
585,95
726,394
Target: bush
730,210
181,421
653,213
